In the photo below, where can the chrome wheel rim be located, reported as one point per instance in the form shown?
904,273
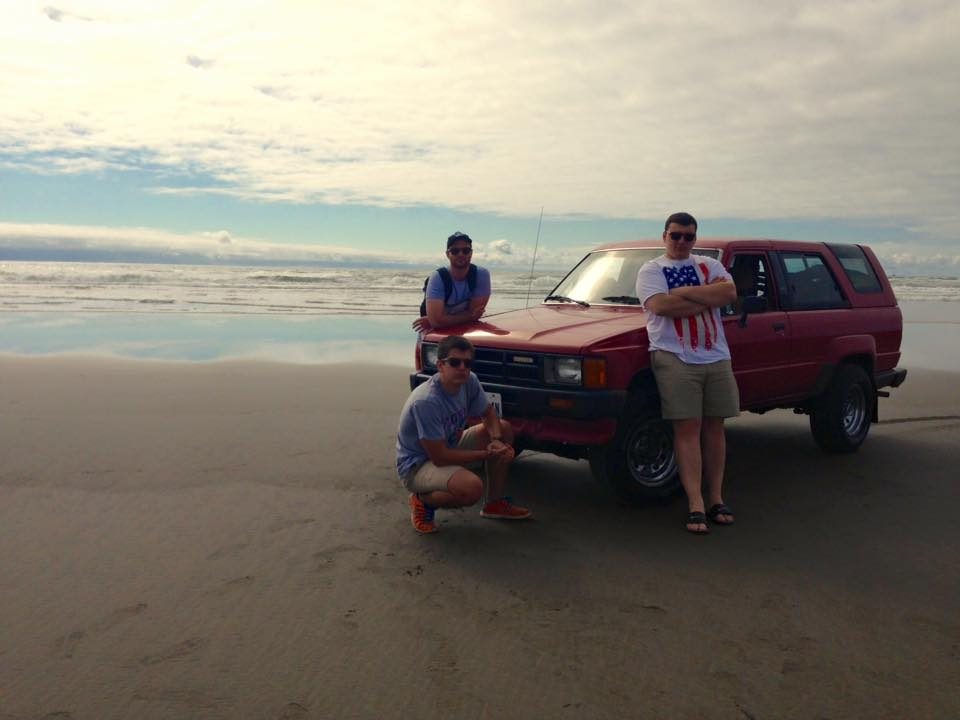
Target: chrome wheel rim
854,411
650,457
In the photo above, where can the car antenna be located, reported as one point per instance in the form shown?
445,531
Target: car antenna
533,262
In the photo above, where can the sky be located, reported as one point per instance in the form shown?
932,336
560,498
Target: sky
366,132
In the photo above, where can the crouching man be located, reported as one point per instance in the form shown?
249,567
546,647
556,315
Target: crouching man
437,458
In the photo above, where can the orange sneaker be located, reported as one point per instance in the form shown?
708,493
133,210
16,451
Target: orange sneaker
503,509
422,516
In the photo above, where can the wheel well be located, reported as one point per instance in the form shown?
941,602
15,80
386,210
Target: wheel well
829,371
643,385
864,361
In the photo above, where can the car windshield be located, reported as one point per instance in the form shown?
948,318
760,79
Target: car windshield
609,277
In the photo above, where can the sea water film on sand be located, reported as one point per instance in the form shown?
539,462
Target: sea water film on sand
184,312
305,314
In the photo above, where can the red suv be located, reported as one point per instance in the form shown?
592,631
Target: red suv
815,328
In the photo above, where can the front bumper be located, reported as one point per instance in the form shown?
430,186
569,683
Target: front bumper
547,417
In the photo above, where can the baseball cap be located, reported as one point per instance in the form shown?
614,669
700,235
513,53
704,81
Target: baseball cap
456,237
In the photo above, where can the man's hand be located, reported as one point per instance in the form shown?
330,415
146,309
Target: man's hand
498,448
421,324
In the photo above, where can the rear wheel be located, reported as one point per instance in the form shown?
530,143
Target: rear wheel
840,418
639,463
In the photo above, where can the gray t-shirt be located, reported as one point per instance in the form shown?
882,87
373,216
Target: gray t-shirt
431,413
460,295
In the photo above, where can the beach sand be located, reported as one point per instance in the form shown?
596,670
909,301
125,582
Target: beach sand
229,540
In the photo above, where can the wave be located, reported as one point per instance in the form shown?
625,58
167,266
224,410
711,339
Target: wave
171,289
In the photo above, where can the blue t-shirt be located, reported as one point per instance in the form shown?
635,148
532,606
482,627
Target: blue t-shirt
431,413
461,295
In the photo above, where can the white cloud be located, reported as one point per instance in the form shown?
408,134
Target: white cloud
222,245
736,109
214,245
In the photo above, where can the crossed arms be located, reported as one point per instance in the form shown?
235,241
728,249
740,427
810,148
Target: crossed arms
692,299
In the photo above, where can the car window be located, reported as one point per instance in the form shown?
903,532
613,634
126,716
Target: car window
752,279
857,268
809,283
609,277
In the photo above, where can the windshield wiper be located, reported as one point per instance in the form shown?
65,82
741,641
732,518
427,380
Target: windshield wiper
564,298
625,299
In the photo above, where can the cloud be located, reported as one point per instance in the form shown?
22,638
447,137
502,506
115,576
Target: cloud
57,15
40,241
198,62
221,236
615,110
156,245
501,247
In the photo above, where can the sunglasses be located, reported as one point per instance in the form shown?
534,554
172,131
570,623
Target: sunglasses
455,362
678,236
459,250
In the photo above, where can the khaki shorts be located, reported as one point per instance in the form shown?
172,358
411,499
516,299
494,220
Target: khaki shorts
429,477
693,391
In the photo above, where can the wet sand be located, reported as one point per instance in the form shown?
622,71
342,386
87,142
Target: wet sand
229,541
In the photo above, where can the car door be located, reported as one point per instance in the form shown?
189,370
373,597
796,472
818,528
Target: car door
759,343
817,309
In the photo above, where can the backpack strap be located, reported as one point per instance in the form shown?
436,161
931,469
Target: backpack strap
447,278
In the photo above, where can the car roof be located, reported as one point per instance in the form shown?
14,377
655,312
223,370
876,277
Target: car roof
719,243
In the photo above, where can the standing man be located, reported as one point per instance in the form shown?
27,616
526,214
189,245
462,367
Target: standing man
436,456
691,362
469,290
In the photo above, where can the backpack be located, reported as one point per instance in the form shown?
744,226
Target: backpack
447,278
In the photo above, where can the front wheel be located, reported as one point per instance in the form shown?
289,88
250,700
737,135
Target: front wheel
639,463
840,418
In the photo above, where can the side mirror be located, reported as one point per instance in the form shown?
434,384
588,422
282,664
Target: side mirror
751,306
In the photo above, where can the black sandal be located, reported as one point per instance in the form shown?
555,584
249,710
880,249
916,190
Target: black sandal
697,518
720,509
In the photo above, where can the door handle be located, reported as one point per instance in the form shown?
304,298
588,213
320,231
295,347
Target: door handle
778,327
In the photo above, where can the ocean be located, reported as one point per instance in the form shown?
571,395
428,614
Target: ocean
305,315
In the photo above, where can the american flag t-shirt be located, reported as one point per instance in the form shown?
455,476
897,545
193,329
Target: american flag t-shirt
696,329
696,339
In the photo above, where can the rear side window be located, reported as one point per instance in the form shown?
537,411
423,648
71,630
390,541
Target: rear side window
857,268
809,283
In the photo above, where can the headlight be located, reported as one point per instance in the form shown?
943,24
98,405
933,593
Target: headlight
562,370
429,355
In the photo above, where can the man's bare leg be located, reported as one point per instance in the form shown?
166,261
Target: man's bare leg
464,488
498,468
714,444
686,443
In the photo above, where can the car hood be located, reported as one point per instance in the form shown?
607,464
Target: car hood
565,328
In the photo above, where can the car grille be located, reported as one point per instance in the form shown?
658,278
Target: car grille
501,366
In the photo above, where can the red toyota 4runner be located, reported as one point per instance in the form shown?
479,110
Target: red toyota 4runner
815,328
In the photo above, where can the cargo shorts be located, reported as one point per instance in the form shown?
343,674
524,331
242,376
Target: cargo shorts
693,391
428,477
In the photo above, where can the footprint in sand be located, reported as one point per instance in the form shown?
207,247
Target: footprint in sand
175,652
226,550
326,558
293,711
67,644
287,524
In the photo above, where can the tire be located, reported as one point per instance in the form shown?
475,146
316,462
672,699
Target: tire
639,463
840,418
